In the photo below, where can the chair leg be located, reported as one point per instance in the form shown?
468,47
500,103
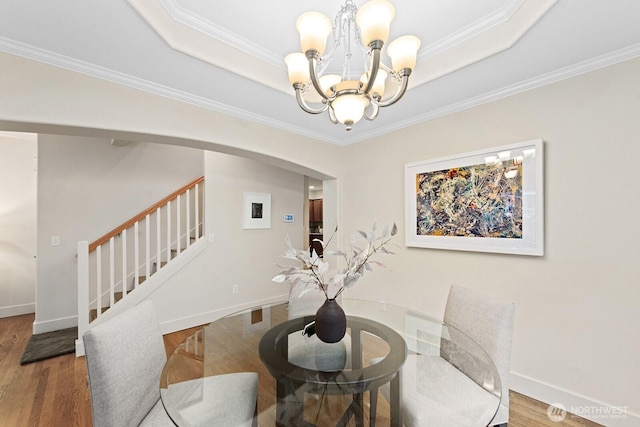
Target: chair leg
255,416
373,406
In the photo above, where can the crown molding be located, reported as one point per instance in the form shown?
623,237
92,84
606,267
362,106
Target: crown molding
472,30
198,38
481,45
606,60
64,62
186,17
92,70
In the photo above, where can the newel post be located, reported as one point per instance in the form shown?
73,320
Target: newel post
83,294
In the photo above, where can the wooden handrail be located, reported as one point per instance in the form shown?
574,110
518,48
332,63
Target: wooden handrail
143,214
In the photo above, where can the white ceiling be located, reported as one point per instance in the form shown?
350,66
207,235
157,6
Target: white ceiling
227,56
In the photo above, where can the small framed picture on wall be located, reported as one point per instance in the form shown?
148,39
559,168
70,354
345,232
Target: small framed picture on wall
256,211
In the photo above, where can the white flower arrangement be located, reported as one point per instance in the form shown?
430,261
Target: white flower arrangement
314,271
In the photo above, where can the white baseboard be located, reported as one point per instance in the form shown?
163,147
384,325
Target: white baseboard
201,318
79,348
584,407
17,310
55,324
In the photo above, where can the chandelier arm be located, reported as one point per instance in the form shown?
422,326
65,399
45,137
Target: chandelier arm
376,47
332,116
312,57
374,112
405,72
303,104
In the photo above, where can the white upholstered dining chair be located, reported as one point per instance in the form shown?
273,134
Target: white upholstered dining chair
435,390
489,322
125,357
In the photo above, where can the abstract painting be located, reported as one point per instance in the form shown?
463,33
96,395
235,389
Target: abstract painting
488,201
471,201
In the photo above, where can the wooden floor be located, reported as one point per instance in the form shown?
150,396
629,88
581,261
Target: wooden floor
55,392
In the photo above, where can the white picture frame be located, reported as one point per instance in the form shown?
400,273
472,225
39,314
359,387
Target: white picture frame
256,212
430,185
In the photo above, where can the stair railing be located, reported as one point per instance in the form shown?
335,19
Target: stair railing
116,264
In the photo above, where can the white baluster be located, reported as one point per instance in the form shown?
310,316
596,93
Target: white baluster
124,263
147,232
98,281
158,240
197,211
168,231
188,203
112,273
178,209
136,256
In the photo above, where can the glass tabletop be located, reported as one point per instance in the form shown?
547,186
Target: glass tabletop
408,359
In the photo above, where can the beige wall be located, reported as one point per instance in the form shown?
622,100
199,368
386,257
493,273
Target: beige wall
87,187
18,199
245,258
576,328
576,338
45,99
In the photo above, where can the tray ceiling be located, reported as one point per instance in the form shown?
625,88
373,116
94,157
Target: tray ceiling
230,58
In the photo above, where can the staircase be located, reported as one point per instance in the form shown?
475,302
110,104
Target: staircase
124,266
93,313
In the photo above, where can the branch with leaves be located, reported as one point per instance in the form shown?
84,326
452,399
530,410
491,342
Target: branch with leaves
314,271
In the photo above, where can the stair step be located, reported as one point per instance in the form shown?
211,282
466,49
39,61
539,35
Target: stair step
155,266
93,313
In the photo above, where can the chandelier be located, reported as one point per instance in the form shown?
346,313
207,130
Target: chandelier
357,92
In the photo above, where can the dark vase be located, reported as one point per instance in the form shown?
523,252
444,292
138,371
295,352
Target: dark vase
331,322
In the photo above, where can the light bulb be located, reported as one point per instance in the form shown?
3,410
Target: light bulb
349,109
298,67
403,52
329,80
378,85
314,28
374,19
326,82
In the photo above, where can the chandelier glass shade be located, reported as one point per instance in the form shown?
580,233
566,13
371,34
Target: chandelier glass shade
353,92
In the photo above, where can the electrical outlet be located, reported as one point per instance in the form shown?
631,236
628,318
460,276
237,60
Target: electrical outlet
353,238
235,289
383,306
210,238
55,240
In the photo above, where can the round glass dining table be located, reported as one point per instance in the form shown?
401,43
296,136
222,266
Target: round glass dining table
393,367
